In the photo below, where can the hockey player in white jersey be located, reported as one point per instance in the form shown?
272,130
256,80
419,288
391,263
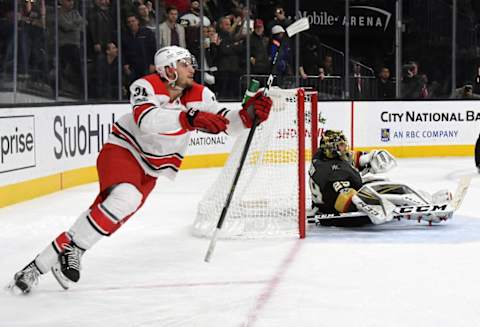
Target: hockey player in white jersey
147,143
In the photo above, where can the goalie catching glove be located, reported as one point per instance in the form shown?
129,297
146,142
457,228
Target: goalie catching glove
377,161
257,106
203,121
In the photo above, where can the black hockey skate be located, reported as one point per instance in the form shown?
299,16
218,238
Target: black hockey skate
67,269
25,279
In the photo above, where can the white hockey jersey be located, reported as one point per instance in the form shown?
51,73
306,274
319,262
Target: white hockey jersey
152,131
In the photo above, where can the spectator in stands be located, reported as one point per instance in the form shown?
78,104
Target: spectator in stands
278,19
327,65
70,26
146,17
227,7
466,92
260,64
172,33
413,85
160,11
129,7
138,50
211,9
283,66
476,85
101,26
32,40
208,65
424,93
6,38
241,17
358,82
183,6
236,23
228,60
385,86
310,61
192,18
191,21
106,83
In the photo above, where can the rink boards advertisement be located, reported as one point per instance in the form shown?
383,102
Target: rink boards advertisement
45,149
417,129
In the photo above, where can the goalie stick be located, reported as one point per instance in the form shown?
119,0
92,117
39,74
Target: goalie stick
419,212
297,27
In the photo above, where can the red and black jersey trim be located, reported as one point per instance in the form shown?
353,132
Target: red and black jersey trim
140,111
153,161
223,112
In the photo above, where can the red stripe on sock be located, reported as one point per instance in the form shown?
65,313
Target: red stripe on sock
102,220
62,240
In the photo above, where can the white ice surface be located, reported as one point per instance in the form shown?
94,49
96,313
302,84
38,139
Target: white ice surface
151,271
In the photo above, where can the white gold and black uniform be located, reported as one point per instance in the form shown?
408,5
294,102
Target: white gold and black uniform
329,178
334,178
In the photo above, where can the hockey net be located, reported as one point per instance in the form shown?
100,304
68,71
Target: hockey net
270,196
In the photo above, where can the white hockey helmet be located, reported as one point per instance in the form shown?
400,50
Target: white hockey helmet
169,56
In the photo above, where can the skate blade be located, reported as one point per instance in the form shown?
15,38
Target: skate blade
61,279
14,289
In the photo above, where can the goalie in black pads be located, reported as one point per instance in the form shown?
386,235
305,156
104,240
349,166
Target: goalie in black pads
347,193
335,178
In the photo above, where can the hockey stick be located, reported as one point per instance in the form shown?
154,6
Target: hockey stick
461,191
297,27
420,212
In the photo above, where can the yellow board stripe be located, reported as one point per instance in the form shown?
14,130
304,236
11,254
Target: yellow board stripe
27,190
18,192
425,151
204,161
31,189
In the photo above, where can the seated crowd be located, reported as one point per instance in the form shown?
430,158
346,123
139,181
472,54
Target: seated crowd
218,41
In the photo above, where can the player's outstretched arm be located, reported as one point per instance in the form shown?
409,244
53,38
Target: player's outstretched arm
203,121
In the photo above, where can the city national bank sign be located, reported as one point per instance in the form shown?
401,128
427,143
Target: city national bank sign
330,18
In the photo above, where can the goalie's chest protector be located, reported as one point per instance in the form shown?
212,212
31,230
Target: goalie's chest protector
330,171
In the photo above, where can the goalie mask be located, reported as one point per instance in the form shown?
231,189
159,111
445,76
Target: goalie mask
169,57
334,145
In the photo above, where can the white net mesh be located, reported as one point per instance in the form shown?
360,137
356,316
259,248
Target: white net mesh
265,202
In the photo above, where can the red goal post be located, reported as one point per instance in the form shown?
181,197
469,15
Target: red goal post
271,195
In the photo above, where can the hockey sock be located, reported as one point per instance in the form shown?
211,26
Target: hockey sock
105,218
49,256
